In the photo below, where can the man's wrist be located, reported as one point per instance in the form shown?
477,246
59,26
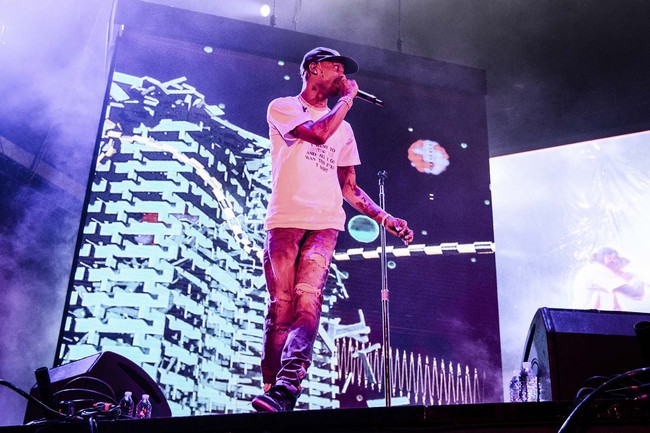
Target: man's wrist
347,99
384,218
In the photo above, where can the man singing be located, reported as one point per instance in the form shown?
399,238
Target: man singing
313,154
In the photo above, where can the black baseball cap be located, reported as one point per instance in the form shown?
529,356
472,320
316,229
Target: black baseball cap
320,54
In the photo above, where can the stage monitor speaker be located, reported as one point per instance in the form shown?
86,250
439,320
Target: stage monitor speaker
104,377
567,347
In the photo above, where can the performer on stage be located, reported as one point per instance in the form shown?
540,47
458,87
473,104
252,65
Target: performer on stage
313,154
603,283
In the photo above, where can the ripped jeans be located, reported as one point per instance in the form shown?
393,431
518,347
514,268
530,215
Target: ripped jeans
296,265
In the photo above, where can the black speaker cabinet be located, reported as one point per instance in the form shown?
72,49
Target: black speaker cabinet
567,347
100,377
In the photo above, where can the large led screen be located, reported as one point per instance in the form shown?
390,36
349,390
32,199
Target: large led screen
168,270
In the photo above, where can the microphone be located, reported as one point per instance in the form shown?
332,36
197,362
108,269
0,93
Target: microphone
369,98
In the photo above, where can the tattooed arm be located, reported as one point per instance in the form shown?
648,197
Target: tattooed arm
359,200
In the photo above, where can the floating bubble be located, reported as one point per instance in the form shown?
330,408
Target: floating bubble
428,156
363,229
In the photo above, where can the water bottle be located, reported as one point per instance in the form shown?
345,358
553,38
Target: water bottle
515,387
126,404
144,408
528,382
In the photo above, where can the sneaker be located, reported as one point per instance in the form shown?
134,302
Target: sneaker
276,399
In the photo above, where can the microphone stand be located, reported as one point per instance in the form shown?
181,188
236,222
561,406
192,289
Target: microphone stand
384,293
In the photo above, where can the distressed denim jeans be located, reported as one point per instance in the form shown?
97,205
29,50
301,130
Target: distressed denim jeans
296,265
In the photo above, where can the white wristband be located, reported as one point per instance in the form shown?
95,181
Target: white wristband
384,218
347,99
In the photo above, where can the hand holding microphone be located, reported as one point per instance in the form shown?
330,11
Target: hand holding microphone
352,90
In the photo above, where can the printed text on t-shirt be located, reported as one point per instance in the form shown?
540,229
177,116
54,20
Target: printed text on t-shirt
323,157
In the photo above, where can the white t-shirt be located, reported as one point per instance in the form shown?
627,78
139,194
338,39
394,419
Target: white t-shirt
305,189
594,288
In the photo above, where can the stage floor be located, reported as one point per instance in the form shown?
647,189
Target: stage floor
501,417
